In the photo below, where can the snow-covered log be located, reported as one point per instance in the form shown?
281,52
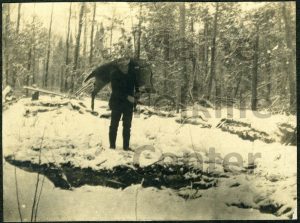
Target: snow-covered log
244,130
5,92
43,91
287,133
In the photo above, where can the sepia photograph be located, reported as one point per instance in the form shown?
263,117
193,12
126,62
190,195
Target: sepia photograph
139,111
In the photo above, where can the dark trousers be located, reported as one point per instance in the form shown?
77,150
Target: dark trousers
114,123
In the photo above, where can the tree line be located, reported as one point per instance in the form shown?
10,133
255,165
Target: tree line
216,51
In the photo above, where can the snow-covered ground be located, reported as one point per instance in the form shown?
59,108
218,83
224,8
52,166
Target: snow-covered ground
69,135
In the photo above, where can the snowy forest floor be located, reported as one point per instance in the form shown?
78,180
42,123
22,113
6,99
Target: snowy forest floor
169,176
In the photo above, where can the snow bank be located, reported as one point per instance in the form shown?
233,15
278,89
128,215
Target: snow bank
66,135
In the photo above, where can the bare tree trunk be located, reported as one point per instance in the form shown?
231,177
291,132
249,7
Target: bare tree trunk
166,58
33,49
61,78
203,56
111,30
213,53
194,76
17,33
33,64
6,42
92,36
269,78
77,46
18,18
65,85
240,75
218,83
28,68
255,71
184,83
138,50
291,56
48,51
206,48
85,39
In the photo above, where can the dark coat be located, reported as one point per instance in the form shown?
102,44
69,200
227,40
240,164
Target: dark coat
122,86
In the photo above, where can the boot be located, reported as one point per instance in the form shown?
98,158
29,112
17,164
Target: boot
112,138
126,139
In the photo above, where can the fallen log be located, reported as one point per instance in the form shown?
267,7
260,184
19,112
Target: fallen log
287,134
8,97
244,130
35,89
7,90
150,112
193,121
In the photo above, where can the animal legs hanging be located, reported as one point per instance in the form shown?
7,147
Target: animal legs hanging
98,85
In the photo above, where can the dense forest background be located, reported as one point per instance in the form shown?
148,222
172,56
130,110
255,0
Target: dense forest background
217,51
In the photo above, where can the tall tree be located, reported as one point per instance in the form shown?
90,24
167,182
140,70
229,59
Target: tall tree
184,77
269,78
30,57
85,38
18,18
112,25
255,70
57,62
290,61
166,56
28,68
139,33
37,45
48,51
99,43
77,46
194,74
17,36
204,51
92,35
66,73
6,41
213,51
206,47
34,40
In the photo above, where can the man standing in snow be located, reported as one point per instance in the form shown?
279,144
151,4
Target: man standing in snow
124,88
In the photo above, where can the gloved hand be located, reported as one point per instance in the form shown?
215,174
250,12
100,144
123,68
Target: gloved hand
130,99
